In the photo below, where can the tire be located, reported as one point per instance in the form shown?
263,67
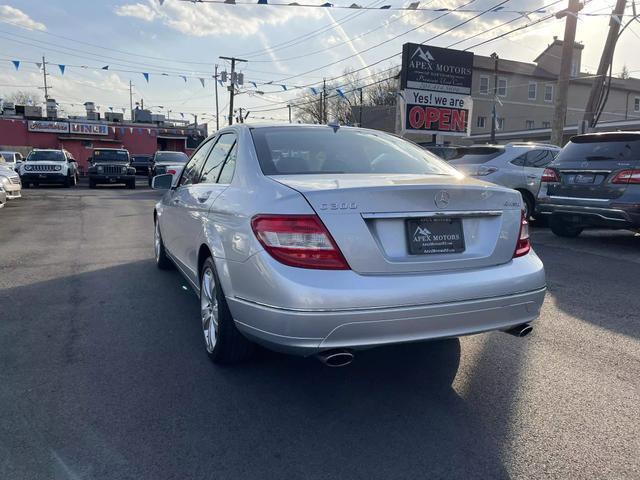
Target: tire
529,206
561,229
163,262
132,184
92,183
223,342
67,182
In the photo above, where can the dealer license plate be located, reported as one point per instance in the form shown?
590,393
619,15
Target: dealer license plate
435,235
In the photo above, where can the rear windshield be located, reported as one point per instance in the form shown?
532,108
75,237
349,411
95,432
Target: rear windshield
110,156
174,157
475,155
8,157
594,148
318,150
45,156
140,158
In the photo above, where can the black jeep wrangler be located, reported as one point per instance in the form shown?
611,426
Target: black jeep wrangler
111,165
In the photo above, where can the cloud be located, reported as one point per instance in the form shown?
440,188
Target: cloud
211,20
17,17
137,10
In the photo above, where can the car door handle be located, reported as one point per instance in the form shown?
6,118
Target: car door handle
203,197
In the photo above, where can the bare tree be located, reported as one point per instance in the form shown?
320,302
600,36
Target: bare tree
624,74
23,97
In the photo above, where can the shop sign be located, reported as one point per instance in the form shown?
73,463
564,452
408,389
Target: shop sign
48,126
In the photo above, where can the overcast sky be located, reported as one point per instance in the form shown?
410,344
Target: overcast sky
185,39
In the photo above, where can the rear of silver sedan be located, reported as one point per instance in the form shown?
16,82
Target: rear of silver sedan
378,258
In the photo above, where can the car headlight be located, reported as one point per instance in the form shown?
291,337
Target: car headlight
57,168
100,169
28,167
124,169
4,180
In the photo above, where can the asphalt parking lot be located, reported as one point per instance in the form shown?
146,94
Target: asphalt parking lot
103,373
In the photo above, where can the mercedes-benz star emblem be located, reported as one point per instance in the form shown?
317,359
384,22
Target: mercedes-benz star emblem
442,199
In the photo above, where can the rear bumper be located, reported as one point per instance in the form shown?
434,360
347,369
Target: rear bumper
614,215
304,311
358,329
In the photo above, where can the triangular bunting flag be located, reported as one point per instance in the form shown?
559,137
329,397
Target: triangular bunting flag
262,2
106,67
183,77
284,87
146,76
340,93
254,84
16,63
413,6
39,65
202,81
61,67
313,90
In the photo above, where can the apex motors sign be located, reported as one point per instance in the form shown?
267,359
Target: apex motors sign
436,84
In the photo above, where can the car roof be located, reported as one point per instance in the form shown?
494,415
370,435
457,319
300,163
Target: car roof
114,149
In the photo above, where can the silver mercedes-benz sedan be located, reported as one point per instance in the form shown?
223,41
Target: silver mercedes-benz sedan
323,240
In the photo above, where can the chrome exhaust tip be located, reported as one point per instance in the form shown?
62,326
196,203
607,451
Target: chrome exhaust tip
336,358
520,330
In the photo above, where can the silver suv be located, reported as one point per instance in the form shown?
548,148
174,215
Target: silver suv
515,165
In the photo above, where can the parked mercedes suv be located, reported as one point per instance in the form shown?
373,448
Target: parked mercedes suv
593,183
517,165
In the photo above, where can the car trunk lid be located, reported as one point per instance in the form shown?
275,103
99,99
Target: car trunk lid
380,222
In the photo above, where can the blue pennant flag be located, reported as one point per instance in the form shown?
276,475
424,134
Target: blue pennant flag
340,92
313,90
385,7
284,87
220,82
16,63
146,76
61,67
106,67
183,77
111,108
327,4
202,81
262,2
182,114
254,84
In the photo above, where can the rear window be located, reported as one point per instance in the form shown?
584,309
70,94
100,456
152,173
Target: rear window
110,156
475,155
175,157
45,156
318,150
594,148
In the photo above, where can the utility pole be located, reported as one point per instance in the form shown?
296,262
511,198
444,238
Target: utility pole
289,107
360,120
595,97
324,101
560,110
131,99
494,117
240,119
215,76
232,87
44,75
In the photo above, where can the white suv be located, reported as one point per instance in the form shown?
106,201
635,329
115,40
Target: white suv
49,166
515,165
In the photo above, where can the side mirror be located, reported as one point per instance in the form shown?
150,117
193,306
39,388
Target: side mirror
162,182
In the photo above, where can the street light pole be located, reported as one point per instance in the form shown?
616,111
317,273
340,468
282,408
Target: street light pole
494,117
215,77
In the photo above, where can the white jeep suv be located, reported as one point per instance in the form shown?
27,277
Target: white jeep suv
49,166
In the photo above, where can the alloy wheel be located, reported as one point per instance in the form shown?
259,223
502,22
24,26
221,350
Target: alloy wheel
209,309
157,241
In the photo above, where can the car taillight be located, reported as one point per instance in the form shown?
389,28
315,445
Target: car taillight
549,176
627,176
171,171
524,245
298,241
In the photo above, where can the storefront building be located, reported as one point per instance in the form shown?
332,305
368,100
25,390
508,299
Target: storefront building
80,137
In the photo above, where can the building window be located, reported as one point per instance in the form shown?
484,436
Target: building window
480,123
574,68
548,93
484,85
530,124
502,87
533,91
636,104
546,124
500,123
